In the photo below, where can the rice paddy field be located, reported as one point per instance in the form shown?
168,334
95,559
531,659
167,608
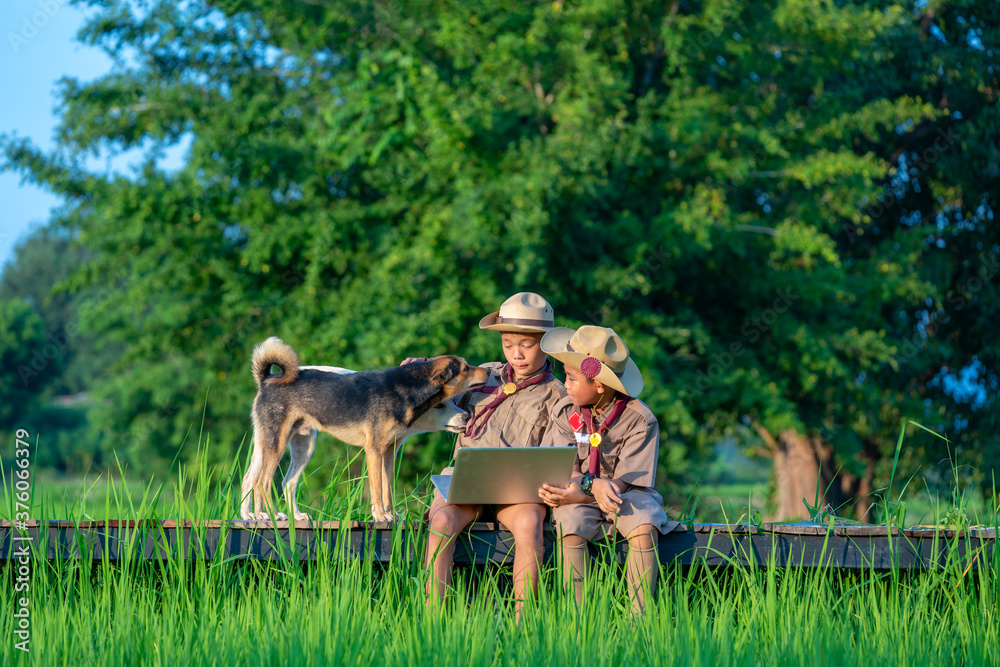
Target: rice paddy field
355,612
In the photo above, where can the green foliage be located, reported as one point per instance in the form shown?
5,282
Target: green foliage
69,445
57,367
22,340
731,186
41,263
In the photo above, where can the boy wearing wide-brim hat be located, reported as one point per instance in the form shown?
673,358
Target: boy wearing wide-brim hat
512,410
617,439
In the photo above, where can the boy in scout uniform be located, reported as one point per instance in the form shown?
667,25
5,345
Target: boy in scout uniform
617,440
512,410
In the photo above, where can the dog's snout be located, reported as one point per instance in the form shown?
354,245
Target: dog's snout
479,378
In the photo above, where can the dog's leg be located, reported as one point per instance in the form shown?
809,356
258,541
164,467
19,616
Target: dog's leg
301,447
250,500
273,446
388,470
247,488
374,457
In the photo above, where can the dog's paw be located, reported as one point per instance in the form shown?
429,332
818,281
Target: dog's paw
258,516
381,516
302,516
281,516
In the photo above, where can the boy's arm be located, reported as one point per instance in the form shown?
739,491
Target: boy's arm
559,434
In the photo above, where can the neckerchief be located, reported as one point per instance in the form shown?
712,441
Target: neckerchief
595,442
505,390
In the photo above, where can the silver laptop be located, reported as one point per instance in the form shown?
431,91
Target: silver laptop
504,475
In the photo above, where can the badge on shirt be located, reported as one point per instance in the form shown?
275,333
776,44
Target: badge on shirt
576,421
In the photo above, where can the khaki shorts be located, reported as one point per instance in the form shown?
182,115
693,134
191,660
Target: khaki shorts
639,506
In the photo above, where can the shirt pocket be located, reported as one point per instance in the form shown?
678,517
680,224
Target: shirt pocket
609,461
527,425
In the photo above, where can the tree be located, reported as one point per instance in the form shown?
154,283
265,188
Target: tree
41,262
365,180
947,182
58,364
22,350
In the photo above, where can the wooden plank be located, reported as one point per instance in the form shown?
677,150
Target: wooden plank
715,545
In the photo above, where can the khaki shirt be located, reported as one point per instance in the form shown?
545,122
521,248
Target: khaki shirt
522,420
629,449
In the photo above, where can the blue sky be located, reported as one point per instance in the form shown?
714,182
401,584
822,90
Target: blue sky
37,48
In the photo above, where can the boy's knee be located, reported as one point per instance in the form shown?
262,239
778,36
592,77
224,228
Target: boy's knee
528,524
642,537
447,522
573,540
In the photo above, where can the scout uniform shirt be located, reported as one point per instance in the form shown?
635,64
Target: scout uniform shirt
628,451
521,420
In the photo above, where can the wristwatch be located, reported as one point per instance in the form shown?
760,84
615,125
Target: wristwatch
587,483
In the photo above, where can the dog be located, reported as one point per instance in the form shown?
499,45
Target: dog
445,416
375,410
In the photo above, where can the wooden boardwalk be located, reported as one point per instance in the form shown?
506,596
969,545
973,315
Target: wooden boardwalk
717,545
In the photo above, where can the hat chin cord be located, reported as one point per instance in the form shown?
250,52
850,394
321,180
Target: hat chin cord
597,406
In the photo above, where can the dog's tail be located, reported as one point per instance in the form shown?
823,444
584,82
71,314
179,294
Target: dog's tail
274,352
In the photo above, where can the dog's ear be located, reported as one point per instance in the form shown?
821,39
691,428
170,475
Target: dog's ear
444,372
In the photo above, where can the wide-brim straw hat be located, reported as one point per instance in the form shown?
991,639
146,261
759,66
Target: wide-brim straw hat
617,370
525,312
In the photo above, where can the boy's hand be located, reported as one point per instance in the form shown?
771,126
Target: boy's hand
410,360
556,496
606,495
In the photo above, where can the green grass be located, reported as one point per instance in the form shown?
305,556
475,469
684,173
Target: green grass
728,502
228,612
94,497
85,498
356,612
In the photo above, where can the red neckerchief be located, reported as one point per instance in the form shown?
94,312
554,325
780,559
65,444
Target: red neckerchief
595,448
505,390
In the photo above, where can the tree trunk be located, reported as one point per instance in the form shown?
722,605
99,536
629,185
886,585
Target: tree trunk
804,464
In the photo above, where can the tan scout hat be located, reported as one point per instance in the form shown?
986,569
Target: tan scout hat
525,312
616,369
